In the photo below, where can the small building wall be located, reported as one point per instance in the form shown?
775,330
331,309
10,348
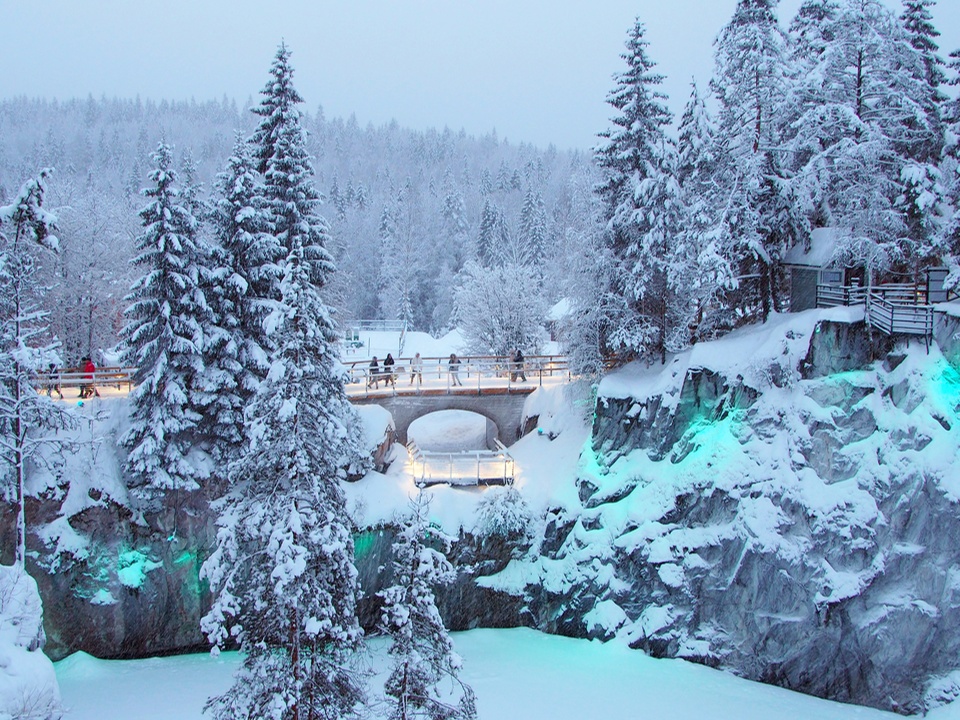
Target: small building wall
803,288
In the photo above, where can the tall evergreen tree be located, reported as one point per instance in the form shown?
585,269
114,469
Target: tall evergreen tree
165,341
25,227
749,84
641,202
236,346
532,235
423,681
858,124
283,572
923,134
700,273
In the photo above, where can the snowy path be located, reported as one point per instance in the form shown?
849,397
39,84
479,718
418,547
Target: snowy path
517,673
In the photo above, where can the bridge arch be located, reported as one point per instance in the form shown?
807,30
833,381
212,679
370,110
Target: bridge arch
504,411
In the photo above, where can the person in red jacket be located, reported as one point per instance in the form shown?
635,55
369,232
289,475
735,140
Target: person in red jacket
90,389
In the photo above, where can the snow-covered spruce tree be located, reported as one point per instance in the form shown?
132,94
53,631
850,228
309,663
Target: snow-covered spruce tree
532,233
164,340
948,238
243,266
922,138
282,572
499,309
755,222
642,204
700,271
423,681
493,236
401,255
25,227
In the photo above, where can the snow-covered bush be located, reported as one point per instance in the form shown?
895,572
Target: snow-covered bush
28,685
503,512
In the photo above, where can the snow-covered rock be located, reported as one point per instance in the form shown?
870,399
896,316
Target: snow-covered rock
28,685
776,504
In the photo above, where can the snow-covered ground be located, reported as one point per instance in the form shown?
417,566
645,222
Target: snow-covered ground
516,674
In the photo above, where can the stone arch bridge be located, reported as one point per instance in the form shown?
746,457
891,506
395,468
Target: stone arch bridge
504,410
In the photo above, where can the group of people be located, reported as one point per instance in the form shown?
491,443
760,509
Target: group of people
88,388
387,373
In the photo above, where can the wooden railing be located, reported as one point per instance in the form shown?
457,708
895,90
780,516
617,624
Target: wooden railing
468,467
478,373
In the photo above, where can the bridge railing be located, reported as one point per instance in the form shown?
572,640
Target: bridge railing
74,378
474,373
468,467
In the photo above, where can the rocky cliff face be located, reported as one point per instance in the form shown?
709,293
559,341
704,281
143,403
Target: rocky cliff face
796,522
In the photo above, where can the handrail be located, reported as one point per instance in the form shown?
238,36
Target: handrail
454,468
470,374
73,377
897,318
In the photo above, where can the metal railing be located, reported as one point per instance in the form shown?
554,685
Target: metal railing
73,378
474,374
840,295
849,295
468,467
892,317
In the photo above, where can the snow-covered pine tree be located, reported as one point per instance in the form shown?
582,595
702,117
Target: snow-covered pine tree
235,359
423,681
929,77
289,196
25,227
750,83
491,236
642,204
700,271
810,31
164,340
948,238
532,233
860,103
282,571
400,258
922,137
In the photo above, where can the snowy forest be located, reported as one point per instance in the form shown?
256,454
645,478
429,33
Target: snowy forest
407,211
222,251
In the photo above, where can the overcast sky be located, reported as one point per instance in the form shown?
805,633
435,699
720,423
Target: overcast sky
537,71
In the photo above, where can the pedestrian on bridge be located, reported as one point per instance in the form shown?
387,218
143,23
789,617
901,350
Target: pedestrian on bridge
416,369
53,381
373,374
90,388
517,367
389,378
454,370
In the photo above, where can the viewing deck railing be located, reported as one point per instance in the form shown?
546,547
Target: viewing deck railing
468,467
891,317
